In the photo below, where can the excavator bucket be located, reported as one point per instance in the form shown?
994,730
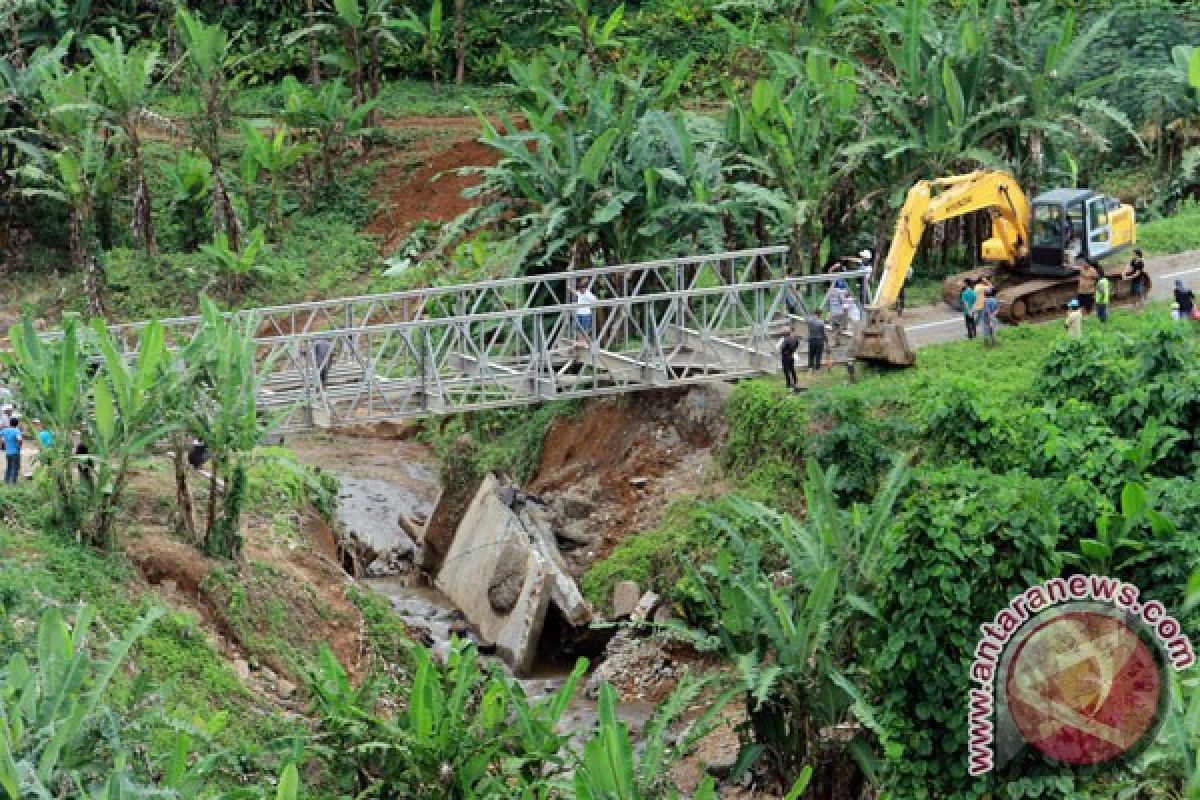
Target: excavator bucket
883,340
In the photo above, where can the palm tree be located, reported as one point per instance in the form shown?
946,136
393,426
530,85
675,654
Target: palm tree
124,81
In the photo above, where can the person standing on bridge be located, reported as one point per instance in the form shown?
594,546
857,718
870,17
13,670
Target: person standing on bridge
816,340
584,302
322,352
837,300
787,348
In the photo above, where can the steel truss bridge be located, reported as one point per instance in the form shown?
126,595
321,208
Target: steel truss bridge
516,342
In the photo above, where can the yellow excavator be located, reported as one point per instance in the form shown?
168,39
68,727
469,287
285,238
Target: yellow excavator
1033,252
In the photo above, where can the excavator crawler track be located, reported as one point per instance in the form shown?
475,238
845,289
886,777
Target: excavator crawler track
1030,299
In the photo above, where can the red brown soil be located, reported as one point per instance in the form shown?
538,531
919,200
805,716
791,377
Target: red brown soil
632,455
305,574
433,191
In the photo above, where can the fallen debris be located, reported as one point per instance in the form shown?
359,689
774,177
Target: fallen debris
503,570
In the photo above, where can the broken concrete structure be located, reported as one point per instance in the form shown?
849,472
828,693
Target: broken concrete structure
503,570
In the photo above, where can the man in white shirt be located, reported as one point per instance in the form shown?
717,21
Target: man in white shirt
584,301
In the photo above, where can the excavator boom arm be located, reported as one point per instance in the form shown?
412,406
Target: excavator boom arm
930,202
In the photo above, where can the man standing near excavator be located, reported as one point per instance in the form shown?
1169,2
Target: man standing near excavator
1087,286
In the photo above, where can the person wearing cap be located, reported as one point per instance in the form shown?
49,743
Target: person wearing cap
1074,321
12,450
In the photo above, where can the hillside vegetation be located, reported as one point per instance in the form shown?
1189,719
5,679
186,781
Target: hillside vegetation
178,633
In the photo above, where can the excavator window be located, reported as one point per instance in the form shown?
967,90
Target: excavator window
1048,226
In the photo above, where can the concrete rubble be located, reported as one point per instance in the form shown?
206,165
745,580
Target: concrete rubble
504,571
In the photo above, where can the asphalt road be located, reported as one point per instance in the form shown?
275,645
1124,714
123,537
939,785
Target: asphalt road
940,323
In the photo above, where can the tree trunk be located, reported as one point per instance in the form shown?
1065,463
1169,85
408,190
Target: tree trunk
142,218
183,493
82,261
211,520
314,54
376,79
460,41
176,79
437,89
223,216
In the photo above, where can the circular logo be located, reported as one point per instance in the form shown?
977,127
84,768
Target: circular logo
1083,687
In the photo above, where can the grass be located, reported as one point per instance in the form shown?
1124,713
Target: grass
1175,234
173,661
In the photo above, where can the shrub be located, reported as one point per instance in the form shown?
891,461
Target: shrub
970,540
960,423
765,422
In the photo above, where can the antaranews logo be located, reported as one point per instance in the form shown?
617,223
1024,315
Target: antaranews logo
1074,667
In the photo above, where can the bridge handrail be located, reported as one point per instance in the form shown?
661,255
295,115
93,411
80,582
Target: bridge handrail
566,308
481,286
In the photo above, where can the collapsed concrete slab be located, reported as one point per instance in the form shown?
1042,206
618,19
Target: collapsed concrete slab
503,571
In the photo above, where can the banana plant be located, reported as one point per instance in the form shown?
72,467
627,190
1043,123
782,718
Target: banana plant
274,155
52,711
787,599
609,169
790,144
327,116
210,62
190,181
223,369
128,401
432,33
238,266
124,81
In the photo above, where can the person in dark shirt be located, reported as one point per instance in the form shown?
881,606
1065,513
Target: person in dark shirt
788,346
322,350
1186,299
1137,275
816,340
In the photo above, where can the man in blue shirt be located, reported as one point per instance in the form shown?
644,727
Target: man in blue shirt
12,451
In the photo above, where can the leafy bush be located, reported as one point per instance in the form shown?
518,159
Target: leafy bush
785,605
765,422
970,540
278,482
467,731
960,423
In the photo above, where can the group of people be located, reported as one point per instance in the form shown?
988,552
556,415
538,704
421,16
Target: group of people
981,310
1095,294
14,439
844,313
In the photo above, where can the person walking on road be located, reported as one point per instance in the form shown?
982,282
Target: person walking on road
1074,321
967,299
816,340
1186,299
787,347
1136,274
12,451
1103,295
990,319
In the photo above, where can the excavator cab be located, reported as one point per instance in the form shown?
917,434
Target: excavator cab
1072,223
